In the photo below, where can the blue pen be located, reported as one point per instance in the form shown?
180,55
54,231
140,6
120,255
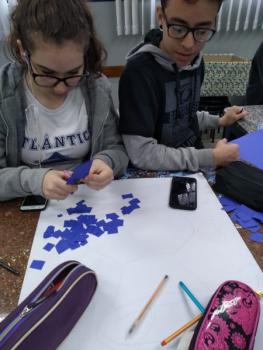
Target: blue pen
191,296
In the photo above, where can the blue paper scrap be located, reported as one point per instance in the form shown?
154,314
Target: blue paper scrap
37,264
62,246
134,201
48,247
49,232
79,208
59,215
128,209
80,172
87,219
127,195
112,216
228,204
257,237
246,217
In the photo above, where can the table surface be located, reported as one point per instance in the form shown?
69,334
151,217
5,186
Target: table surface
254,120
16,236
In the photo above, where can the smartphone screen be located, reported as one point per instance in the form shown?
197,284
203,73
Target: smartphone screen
33,203
183,193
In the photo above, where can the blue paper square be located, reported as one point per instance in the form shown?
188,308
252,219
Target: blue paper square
37,264
48,247
49,232
134,201
62,246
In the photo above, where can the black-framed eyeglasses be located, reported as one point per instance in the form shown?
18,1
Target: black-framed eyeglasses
46,80
180,31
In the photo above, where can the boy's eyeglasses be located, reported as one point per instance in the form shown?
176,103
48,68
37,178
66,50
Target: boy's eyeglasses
51,80
179,31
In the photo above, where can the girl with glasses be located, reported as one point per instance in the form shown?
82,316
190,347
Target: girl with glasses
55,105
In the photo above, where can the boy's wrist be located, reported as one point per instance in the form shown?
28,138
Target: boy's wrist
221,121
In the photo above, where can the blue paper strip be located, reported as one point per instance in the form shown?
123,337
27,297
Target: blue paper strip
127,195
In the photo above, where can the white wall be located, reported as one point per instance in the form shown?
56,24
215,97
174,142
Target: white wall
242,43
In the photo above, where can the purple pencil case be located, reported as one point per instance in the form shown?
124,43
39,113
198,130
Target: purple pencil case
47,315
230,320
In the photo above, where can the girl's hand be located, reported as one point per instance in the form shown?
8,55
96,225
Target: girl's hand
54,185
100,175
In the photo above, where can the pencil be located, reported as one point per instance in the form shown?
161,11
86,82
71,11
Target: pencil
259,293
181,330
191,296
6,266
191,323
152,298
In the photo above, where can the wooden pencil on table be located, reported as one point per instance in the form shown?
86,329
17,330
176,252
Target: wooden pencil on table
181,330
152,298
191,323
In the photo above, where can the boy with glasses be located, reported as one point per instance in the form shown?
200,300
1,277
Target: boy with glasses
55,106
159,92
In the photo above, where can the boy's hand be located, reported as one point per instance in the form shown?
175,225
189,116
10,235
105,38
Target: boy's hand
225,153
100,175
231,115
54,185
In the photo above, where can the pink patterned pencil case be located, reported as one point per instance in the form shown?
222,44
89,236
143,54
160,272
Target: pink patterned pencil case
230,320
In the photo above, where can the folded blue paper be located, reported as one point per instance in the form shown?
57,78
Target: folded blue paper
79,173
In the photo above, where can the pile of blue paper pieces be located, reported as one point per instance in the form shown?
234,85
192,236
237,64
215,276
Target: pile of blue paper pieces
76,231
246,217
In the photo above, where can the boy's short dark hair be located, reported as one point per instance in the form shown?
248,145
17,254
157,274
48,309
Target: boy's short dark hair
164,2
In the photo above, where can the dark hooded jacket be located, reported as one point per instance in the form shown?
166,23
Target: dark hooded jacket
158,108
254,93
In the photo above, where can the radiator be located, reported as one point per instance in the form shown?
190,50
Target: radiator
135,17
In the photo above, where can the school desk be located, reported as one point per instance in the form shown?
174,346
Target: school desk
16,235
252,122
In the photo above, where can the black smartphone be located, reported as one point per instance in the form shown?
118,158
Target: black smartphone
33,203
183,193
